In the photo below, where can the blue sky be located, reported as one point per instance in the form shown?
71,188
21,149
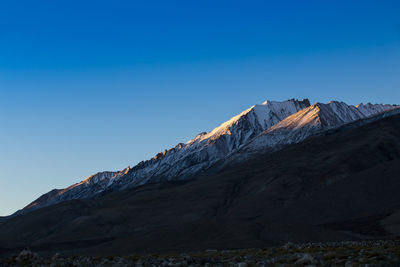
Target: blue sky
87,86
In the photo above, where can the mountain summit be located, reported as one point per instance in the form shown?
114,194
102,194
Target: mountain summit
309,121
263,127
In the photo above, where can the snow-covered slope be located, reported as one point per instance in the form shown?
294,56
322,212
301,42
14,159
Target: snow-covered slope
183,160
90,186
309,121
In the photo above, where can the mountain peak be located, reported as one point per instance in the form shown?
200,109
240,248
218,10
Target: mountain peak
304,101
311,120
260,116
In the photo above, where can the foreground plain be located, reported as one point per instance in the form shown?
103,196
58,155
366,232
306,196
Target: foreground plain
377,253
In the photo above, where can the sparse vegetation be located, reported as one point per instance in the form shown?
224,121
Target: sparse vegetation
364,253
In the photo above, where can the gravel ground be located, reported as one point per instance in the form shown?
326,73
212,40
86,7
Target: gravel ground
366,253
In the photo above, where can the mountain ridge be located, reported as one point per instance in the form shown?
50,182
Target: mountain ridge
243,132
341,184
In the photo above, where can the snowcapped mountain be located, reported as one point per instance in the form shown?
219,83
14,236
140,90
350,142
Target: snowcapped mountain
261,128
309,121
183,160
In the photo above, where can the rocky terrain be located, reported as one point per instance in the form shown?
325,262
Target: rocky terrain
366,253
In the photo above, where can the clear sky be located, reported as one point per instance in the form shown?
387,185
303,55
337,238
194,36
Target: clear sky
87,86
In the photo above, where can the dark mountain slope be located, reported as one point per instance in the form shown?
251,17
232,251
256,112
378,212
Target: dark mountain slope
341,185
